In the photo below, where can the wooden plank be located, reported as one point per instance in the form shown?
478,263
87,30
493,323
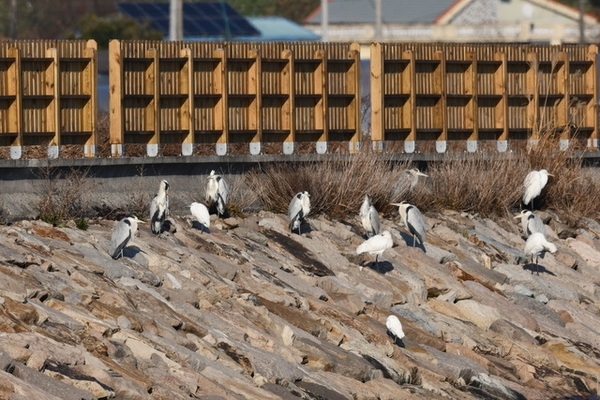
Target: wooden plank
500,82
562,83
353,110
533,110
409,81
115,97
320,89
90,86
254,88
51,87
439,86
187,88
220,87
287,88
471,114
14,88
591,87
377,93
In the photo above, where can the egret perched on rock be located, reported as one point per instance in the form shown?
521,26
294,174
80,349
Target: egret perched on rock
217,192
413,220
530,223
159,208
121,235
533,185
376,245
200,213
298,210
394,329
536,246
369,217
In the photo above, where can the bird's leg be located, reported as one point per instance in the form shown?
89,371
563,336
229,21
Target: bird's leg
414,240
537,272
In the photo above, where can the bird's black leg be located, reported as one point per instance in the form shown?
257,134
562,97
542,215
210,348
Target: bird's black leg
537,271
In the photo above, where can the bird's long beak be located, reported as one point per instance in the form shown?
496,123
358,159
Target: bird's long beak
517,216
551,175
422,174
396,204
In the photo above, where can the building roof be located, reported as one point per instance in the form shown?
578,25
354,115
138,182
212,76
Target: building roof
393,11
280,29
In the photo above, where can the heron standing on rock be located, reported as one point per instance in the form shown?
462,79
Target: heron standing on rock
394,329
530,223
200,213
536,246
159,208
298,209
369,217
217,192
122,234
376,245
413,220
533,185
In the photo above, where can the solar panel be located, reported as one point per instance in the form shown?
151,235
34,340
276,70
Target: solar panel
204,19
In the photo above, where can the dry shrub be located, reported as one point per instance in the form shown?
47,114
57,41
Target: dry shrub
336,185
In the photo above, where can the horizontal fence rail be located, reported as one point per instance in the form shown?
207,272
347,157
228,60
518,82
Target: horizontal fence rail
231,98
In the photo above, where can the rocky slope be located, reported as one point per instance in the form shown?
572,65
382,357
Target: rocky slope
251,311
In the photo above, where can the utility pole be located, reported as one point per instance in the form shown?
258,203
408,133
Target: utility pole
324,19
175,20
581,21
378,22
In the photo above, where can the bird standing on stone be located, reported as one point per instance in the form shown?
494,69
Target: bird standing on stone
298,209
376,245
530,223
159,208
217,192
369,217
413,220
122,234
536,246
533,185
200,213
394,329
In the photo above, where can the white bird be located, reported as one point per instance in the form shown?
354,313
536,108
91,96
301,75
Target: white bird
533,185
298,210
394,329
217,192
369,217
536,246
200,213
122,233
530,223
413,220
159,207
376,245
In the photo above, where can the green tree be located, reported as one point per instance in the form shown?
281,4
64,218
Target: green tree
103,29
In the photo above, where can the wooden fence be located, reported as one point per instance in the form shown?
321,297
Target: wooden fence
48,95
197,98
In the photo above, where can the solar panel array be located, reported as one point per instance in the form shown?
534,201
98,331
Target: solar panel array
203,19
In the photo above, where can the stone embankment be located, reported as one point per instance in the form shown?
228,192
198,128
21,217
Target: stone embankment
250,311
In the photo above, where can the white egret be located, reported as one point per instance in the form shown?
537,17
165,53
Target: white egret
536,246
369,217
200,213
413,220
530,223
533,185
394,329
122,233
298,209
217,192
159,207
376,245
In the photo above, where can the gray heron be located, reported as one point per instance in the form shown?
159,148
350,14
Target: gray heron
369,217
413,220
530,223
200,213
533,184
122,233
394,329
298,209
217,192
376,245
407,182
159,208
536,246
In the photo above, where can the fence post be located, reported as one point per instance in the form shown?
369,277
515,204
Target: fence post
533,116
411,88
152,113
91,86
501,114
377,94
321,111
254,111
288,113
440,86
471,115
222,109
187,108
354,88
591,86
15,117
115,90
52,81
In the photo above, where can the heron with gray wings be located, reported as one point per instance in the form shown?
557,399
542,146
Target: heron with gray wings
122,234
413,220
537,246
200,213
217,192
530,223
298,209
159,208
369,217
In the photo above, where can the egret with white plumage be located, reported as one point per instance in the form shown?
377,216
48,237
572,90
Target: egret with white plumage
369,217
394,329
200,213
122,234
217,192
530,223
537,246
298,209
159,208
413,220
376,245
533,184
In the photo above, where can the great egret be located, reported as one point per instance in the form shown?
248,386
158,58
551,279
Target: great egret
200,213
533,185
394,329
413,220
159,207
217,192
536,246
376,245
122,233
369,217
298,209
530,223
